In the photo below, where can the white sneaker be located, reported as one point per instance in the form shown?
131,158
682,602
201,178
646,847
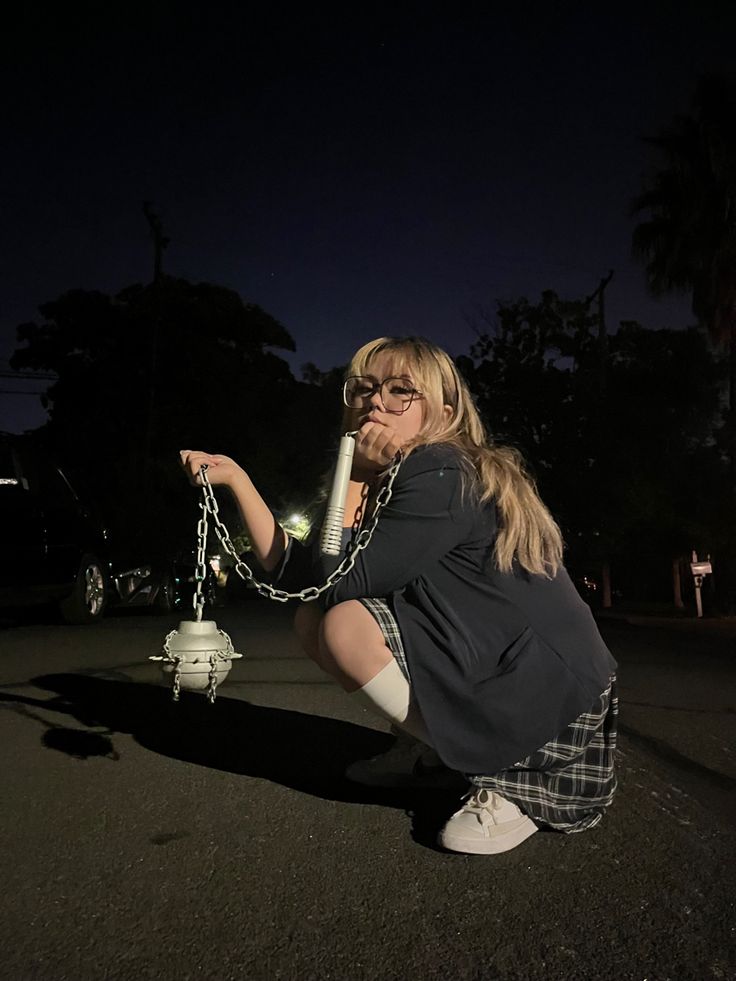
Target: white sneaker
408,763
486,824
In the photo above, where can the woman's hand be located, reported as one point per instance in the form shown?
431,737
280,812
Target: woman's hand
267,538
376,445
220,469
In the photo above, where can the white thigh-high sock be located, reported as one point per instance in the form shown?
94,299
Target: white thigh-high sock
388,693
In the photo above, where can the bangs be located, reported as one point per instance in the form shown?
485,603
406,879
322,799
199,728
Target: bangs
401,356
396,354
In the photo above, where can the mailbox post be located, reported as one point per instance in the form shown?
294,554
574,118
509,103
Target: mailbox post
700,570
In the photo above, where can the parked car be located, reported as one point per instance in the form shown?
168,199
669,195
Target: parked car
55,550
148,585
165,585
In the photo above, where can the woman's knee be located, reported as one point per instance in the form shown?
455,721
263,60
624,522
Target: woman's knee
351,644
348,626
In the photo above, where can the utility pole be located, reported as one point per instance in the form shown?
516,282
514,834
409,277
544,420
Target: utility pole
600,295
160,241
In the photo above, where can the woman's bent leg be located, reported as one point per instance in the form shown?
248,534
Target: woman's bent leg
354,651
351,645
346,642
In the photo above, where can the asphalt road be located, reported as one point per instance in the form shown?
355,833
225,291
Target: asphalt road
142,839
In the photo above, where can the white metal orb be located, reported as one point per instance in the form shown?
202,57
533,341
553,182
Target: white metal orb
198,655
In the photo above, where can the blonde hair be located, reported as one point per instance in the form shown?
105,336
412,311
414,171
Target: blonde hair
527,531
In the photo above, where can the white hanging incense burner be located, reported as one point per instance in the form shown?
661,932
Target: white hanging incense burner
198,656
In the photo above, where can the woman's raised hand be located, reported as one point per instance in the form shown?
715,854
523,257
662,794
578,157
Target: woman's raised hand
376,445
220,469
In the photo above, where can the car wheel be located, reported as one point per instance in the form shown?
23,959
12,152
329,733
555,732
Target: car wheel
88,599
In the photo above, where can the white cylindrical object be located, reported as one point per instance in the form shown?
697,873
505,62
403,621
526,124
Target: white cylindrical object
331,535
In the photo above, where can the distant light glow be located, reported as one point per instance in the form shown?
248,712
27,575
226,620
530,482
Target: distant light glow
297,525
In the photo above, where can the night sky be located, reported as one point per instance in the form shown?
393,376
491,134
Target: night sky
380,171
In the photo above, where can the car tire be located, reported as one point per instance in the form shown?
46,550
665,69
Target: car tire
88,599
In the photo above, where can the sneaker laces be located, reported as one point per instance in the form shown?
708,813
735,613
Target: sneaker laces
482,803
475,799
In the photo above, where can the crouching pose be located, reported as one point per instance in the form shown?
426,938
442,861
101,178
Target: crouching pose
458,621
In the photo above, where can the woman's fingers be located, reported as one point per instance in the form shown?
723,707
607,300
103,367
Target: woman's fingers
378,443
192,461
375,437
221,469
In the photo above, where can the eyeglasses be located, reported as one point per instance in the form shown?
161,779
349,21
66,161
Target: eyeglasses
396,394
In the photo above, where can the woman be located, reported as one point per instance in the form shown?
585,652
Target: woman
458,622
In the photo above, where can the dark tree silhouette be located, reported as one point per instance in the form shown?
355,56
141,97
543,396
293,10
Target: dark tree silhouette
631,471
168,366
687,239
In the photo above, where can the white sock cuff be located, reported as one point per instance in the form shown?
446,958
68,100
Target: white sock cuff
388,692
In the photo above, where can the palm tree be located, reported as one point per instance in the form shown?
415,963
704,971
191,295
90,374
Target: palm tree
688,239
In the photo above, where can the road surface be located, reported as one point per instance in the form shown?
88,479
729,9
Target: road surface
147,840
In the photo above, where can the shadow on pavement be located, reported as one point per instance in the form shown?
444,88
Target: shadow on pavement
308,753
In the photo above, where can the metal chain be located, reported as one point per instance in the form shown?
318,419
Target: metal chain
176,688
200,573
212,678
311,592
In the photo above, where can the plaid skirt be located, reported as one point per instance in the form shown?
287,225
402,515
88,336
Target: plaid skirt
568,783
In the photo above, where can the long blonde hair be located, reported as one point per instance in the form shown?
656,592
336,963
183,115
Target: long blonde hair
527,531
